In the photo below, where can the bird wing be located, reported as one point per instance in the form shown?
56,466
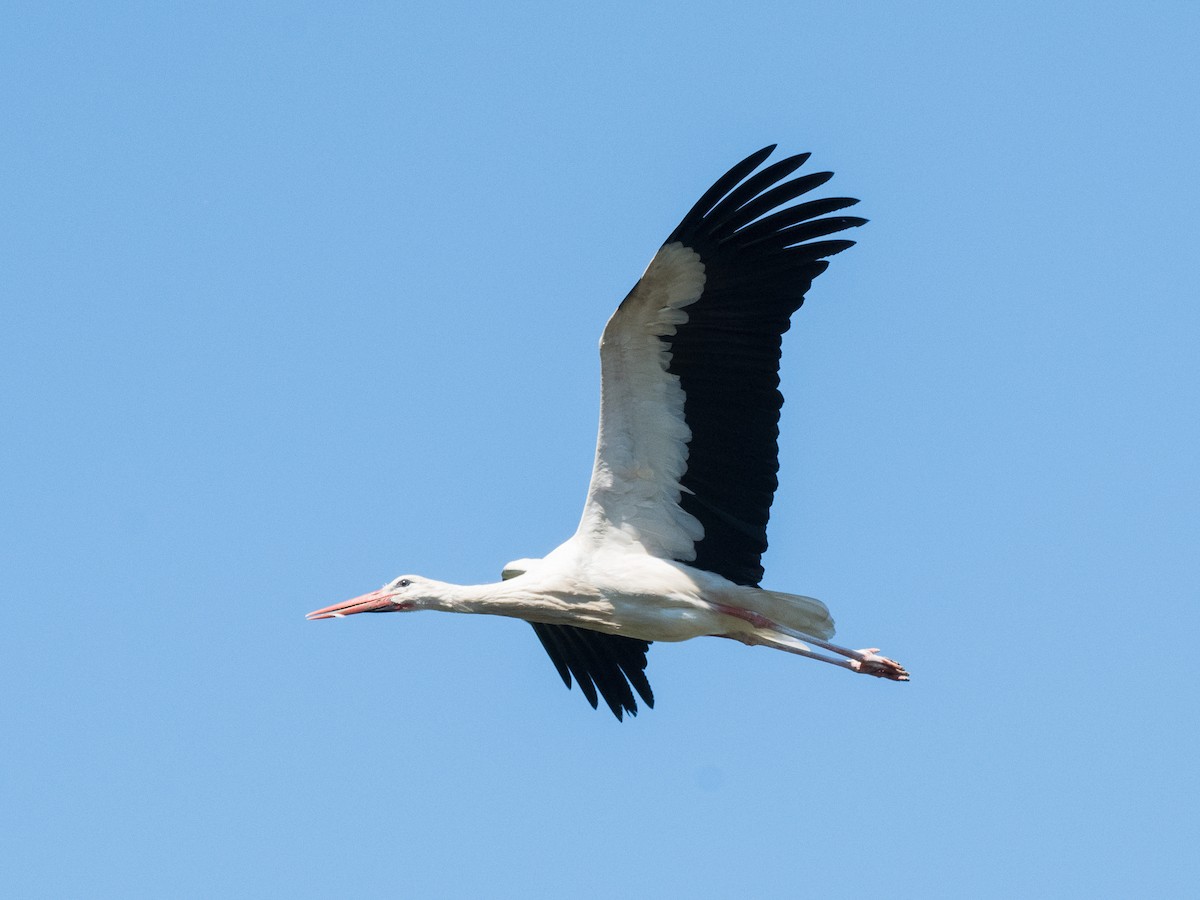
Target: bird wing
687,453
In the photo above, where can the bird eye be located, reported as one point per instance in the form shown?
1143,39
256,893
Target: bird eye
403,582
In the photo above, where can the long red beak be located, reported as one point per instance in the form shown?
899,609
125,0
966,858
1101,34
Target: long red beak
376,601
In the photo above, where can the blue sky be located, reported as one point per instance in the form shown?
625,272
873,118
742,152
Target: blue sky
296,299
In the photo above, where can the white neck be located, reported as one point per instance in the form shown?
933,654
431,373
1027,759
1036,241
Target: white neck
517,598
490,598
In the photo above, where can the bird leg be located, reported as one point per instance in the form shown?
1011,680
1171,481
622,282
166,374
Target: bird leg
866,662
753,640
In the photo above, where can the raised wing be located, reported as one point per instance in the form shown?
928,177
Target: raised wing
687,453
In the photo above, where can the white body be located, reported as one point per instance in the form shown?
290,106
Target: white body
630,593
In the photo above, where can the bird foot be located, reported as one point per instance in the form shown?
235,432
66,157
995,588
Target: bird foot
870,663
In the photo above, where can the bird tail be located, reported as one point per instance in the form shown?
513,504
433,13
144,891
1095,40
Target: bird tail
805,614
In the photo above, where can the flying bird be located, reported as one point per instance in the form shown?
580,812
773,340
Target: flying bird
670,544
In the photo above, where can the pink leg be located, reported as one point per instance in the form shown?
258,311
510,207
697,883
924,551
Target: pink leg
867,662
791,648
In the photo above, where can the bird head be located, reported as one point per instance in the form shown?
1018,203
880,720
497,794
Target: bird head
402,594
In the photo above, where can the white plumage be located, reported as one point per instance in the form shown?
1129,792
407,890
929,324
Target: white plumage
674,526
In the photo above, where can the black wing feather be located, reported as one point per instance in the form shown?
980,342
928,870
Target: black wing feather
738,200
604,665
723,186
801,212
757,271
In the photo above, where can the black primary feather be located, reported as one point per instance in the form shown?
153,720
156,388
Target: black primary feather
757,268
609,663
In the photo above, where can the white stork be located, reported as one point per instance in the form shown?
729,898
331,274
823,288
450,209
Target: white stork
675,523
